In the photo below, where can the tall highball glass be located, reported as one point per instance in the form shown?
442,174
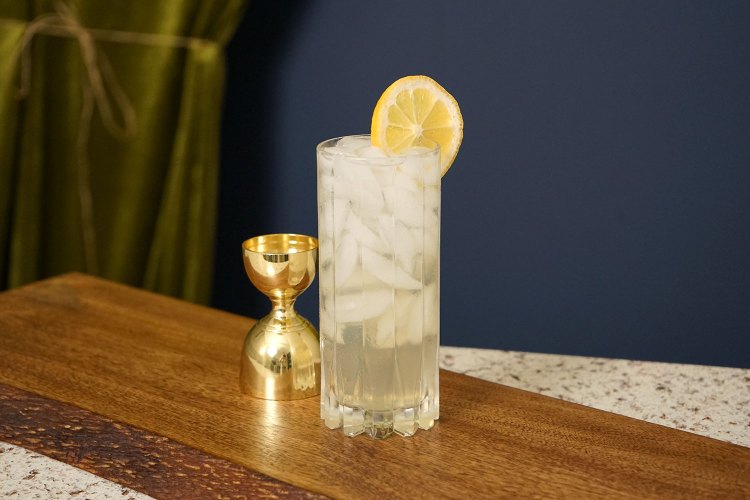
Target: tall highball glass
379,257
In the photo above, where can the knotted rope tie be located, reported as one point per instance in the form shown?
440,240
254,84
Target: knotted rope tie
100,90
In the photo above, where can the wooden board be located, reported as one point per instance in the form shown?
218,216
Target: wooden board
171,368
138,459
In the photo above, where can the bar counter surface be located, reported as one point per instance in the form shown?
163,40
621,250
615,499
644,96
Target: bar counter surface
138,392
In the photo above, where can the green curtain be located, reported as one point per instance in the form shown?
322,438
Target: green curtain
153,194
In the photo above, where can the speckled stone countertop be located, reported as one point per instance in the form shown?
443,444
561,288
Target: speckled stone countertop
707,400
26,475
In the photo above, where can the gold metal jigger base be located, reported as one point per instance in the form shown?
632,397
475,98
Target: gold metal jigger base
281,357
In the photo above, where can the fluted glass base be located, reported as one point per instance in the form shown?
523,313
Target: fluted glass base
378,424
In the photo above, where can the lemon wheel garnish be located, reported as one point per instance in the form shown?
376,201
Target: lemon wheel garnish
414,111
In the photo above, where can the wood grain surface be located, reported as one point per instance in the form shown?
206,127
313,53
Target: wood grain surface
172,368
141,460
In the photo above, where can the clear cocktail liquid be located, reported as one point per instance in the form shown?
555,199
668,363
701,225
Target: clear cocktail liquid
379,258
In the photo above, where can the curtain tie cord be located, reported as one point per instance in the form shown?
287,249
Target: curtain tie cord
100,90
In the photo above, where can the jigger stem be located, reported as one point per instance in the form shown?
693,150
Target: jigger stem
282,309
284,305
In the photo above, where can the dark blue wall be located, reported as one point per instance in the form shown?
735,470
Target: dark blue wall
600,203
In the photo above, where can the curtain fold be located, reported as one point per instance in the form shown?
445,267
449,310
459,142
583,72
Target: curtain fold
153,194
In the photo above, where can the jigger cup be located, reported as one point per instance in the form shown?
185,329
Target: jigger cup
281,356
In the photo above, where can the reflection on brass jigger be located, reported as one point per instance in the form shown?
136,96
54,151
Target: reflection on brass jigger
281,357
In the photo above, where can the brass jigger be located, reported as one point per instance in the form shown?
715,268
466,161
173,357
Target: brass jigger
281,358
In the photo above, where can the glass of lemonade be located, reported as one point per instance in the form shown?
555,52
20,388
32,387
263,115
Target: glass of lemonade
379,258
